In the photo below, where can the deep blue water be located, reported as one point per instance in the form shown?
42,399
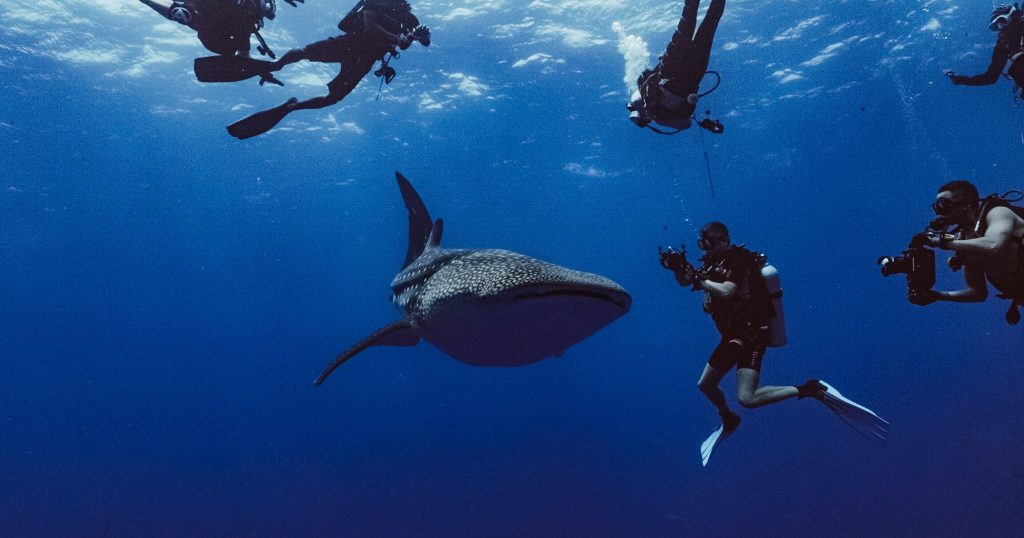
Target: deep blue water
169,293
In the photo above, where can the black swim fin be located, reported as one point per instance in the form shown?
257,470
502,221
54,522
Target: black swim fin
230,68
261,122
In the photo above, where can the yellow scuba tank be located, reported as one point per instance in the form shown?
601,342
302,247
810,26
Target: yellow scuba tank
776,331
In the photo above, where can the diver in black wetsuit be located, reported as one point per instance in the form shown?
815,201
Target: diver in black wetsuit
667,94
223,26
1008,21
373,29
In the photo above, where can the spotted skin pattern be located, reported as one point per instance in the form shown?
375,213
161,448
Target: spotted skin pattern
488,307
439,275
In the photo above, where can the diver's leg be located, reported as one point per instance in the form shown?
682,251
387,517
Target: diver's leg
708,385
701,51
340,87
290,57
677,51
687,21
330,50
751,396
163,7
323,101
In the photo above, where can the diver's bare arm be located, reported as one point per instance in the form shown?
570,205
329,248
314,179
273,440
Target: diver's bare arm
976,291
719,290
162,7
998,236
991,76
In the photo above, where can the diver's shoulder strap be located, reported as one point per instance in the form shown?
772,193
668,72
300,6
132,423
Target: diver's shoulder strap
988,204
758,258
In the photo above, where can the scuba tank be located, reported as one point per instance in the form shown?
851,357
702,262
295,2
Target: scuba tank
776,331
352,22
766,298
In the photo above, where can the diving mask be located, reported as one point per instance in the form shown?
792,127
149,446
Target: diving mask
709,241
1002,17
945,207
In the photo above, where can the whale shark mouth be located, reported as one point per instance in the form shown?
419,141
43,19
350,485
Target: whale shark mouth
620,299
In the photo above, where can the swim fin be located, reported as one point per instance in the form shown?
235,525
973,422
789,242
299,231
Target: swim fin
261,122
230,68
708,446
863,420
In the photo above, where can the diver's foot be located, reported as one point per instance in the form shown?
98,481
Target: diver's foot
730,421
812,388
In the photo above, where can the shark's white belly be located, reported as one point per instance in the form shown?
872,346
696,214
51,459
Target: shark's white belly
515,332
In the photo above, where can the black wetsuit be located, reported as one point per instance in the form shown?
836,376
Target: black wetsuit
355,51
1009,43
222,27
685,61
370,34
740,320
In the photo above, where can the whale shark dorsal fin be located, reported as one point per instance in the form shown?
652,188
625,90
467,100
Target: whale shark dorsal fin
434,240
420,223
397,333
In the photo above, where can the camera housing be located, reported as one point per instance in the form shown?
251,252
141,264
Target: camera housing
917,262
675,261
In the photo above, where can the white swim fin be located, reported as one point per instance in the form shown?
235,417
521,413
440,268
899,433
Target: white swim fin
709,445
863,420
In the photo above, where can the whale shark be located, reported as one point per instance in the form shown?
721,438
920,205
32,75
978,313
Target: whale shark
487,307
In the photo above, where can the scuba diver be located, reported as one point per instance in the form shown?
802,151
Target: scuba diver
990,245
373,30
668,94
223,26
743,297
1008,21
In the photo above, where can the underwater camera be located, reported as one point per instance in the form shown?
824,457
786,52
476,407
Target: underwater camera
675,260
917,262
422,34
671,258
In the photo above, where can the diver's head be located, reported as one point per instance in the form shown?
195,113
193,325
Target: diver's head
956,203
1002,16
638,112
714,237
269,9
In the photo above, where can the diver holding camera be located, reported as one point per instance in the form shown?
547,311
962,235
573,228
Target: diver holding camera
987,237
743,297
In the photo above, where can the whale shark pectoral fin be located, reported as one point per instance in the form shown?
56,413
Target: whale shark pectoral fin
398,333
